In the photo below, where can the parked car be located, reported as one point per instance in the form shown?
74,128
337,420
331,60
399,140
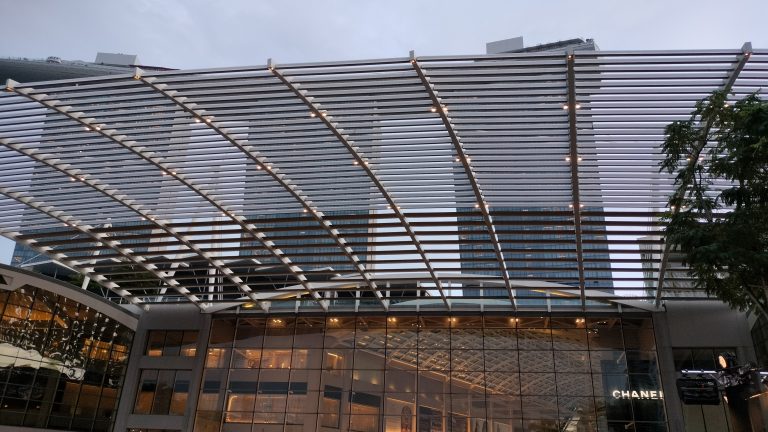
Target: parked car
53,59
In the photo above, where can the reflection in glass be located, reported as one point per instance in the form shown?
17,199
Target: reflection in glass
61,363
429,373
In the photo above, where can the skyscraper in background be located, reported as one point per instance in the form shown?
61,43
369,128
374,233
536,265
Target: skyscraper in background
542,248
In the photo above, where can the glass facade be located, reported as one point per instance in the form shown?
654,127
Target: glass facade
61,363
431,373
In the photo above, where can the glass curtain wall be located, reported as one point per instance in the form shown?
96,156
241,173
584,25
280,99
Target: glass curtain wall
61,363
431,374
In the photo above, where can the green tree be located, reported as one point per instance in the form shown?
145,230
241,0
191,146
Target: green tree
718,218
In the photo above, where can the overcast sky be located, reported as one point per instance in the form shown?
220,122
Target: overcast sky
194,34
199,34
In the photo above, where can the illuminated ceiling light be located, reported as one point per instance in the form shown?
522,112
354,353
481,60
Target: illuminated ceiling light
445,109
311,114
579,159
565,107
567,158
578,106
86,128
433,109
392,319
197,120
477,205
207,119
469,159
324,114
96,128
458,160
581,205
305,210
355,162
71,179
570,205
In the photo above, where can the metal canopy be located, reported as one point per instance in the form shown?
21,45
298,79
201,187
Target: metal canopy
426,183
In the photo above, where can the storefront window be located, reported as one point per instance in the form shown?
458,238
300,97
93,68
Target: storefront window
432,373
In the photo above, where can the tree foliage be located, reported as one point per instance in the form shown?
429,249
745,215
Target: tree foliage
718,217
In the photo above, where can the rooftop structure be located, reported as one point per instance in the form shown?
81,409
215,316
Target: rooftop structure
572,136
463,243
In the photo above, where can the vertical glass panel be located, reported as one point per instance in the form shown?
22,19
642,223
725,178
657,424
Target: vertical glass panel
467,360
369,359
146,394
639,338
466,338
212,390
540,407
534,339
605,334
574,384
155,343
180,393
189,344
536,361
608,362
337,358
642,362
279,332
400,381
503,382
309,332
430,359
340,332
572,361
569,339
217,357
501,360
371,332
244,358
250,332
500,338
307,358
370,381
276,358
241,395
162,401
222,333
434,338
173,343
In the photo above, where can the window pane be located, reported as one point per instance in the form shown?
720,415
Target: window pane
180,393
173,343
147,386
162,402
189,344
155,343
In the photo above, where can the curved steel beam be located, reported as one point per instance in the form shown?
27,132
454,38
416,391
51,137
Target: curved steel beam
123,200
167,170
746,52
102,238
76,266
482,204
574,158
262,164
363,163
